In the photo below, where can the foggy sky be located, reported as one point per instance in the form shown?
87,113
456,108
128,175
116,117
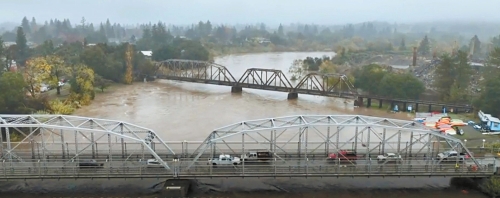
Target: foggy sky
251,11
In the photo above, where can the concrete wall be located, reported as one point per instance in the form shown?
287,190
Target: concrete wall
151,186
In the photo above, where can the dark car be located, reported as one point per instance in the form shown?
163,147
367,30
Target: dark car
90,163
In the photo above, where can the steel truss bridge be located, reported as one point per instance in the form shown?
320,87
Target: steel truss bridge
331,84
336,85
52,146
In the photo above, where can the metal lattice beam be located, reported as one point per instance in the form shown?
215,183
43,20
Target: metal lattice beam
73,138
265,79
327,84
312,135
194,71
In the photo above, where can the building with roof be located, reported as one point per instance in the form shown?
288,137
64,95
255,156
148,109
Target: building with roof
489,122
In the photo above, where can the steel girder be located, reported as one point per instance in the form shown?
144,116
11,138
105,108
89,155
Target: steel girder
265,77
196,70
336,84
72,138
331,84
310,136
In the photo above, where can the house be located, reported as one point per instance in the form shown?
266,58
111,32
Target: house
489,122
147,54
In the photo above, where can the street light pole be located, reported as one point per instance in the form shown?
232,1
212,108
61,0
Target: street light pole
483,142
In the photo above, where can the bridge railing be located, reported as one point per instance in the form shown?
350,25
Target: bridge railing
272,168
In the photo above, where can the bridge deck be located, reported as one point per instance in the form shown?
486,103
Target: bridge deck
332,93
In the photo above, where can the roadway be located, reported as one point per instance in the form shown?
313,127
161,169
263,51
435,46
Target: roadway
288,168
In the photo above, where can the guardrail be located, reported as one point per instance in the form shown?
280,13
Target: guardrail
271,168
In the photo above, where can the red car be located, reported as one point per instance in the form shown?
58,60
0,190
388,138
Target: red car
343,155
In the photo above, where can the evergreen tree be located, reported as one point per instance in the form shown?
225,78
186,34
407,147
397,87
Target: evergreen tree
402,45
424,48
25,24
281,31
3,51
33,25
22,47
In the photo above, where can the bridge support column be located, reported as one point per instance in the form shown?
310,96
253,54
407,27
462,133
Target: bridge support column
368,102
430,108
293,95
404,107
236,89
416,107
380,103
359,102
176,188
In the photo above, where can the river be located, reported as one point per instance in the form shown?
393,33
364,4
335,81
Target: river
188,111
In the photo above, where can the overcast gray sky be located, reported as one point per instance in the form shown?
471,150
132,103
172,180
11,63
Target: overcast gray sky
251,11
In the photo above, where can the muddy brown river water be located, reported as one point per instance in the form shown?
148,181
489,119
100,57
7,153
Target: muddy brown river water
188,111
179,111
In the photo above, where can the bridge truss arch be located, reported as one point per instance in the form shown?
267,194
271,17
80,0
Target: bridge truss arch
194,71
307,138
65,140
328,84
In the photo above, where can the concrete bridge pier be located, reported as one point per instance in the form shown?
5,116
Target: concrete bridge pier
380,103
236,89
359,102
176,188
416,107
368,102
293,95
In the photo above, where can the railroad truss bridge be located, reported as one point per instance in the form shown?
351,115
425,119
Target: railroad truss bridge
331,85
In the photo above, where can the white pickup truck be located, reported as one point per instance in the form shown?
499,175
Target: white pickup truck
452,156
389,157
224,160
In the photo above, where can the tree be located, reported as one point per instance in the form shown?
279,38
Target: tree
127,78
281,31
12,95
491,186
58,69
25,24
22,47
166,52
402,45
401,86
369,77
327,66
3,54
424,48
101,82
443,78
489,98
452,78
82,87
35,72
45,49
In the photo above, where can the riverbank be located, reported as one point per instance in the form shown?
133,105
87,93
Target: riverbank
220,51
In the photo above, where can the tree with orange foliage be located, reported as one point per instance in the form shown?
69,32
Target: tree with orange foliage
129,53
